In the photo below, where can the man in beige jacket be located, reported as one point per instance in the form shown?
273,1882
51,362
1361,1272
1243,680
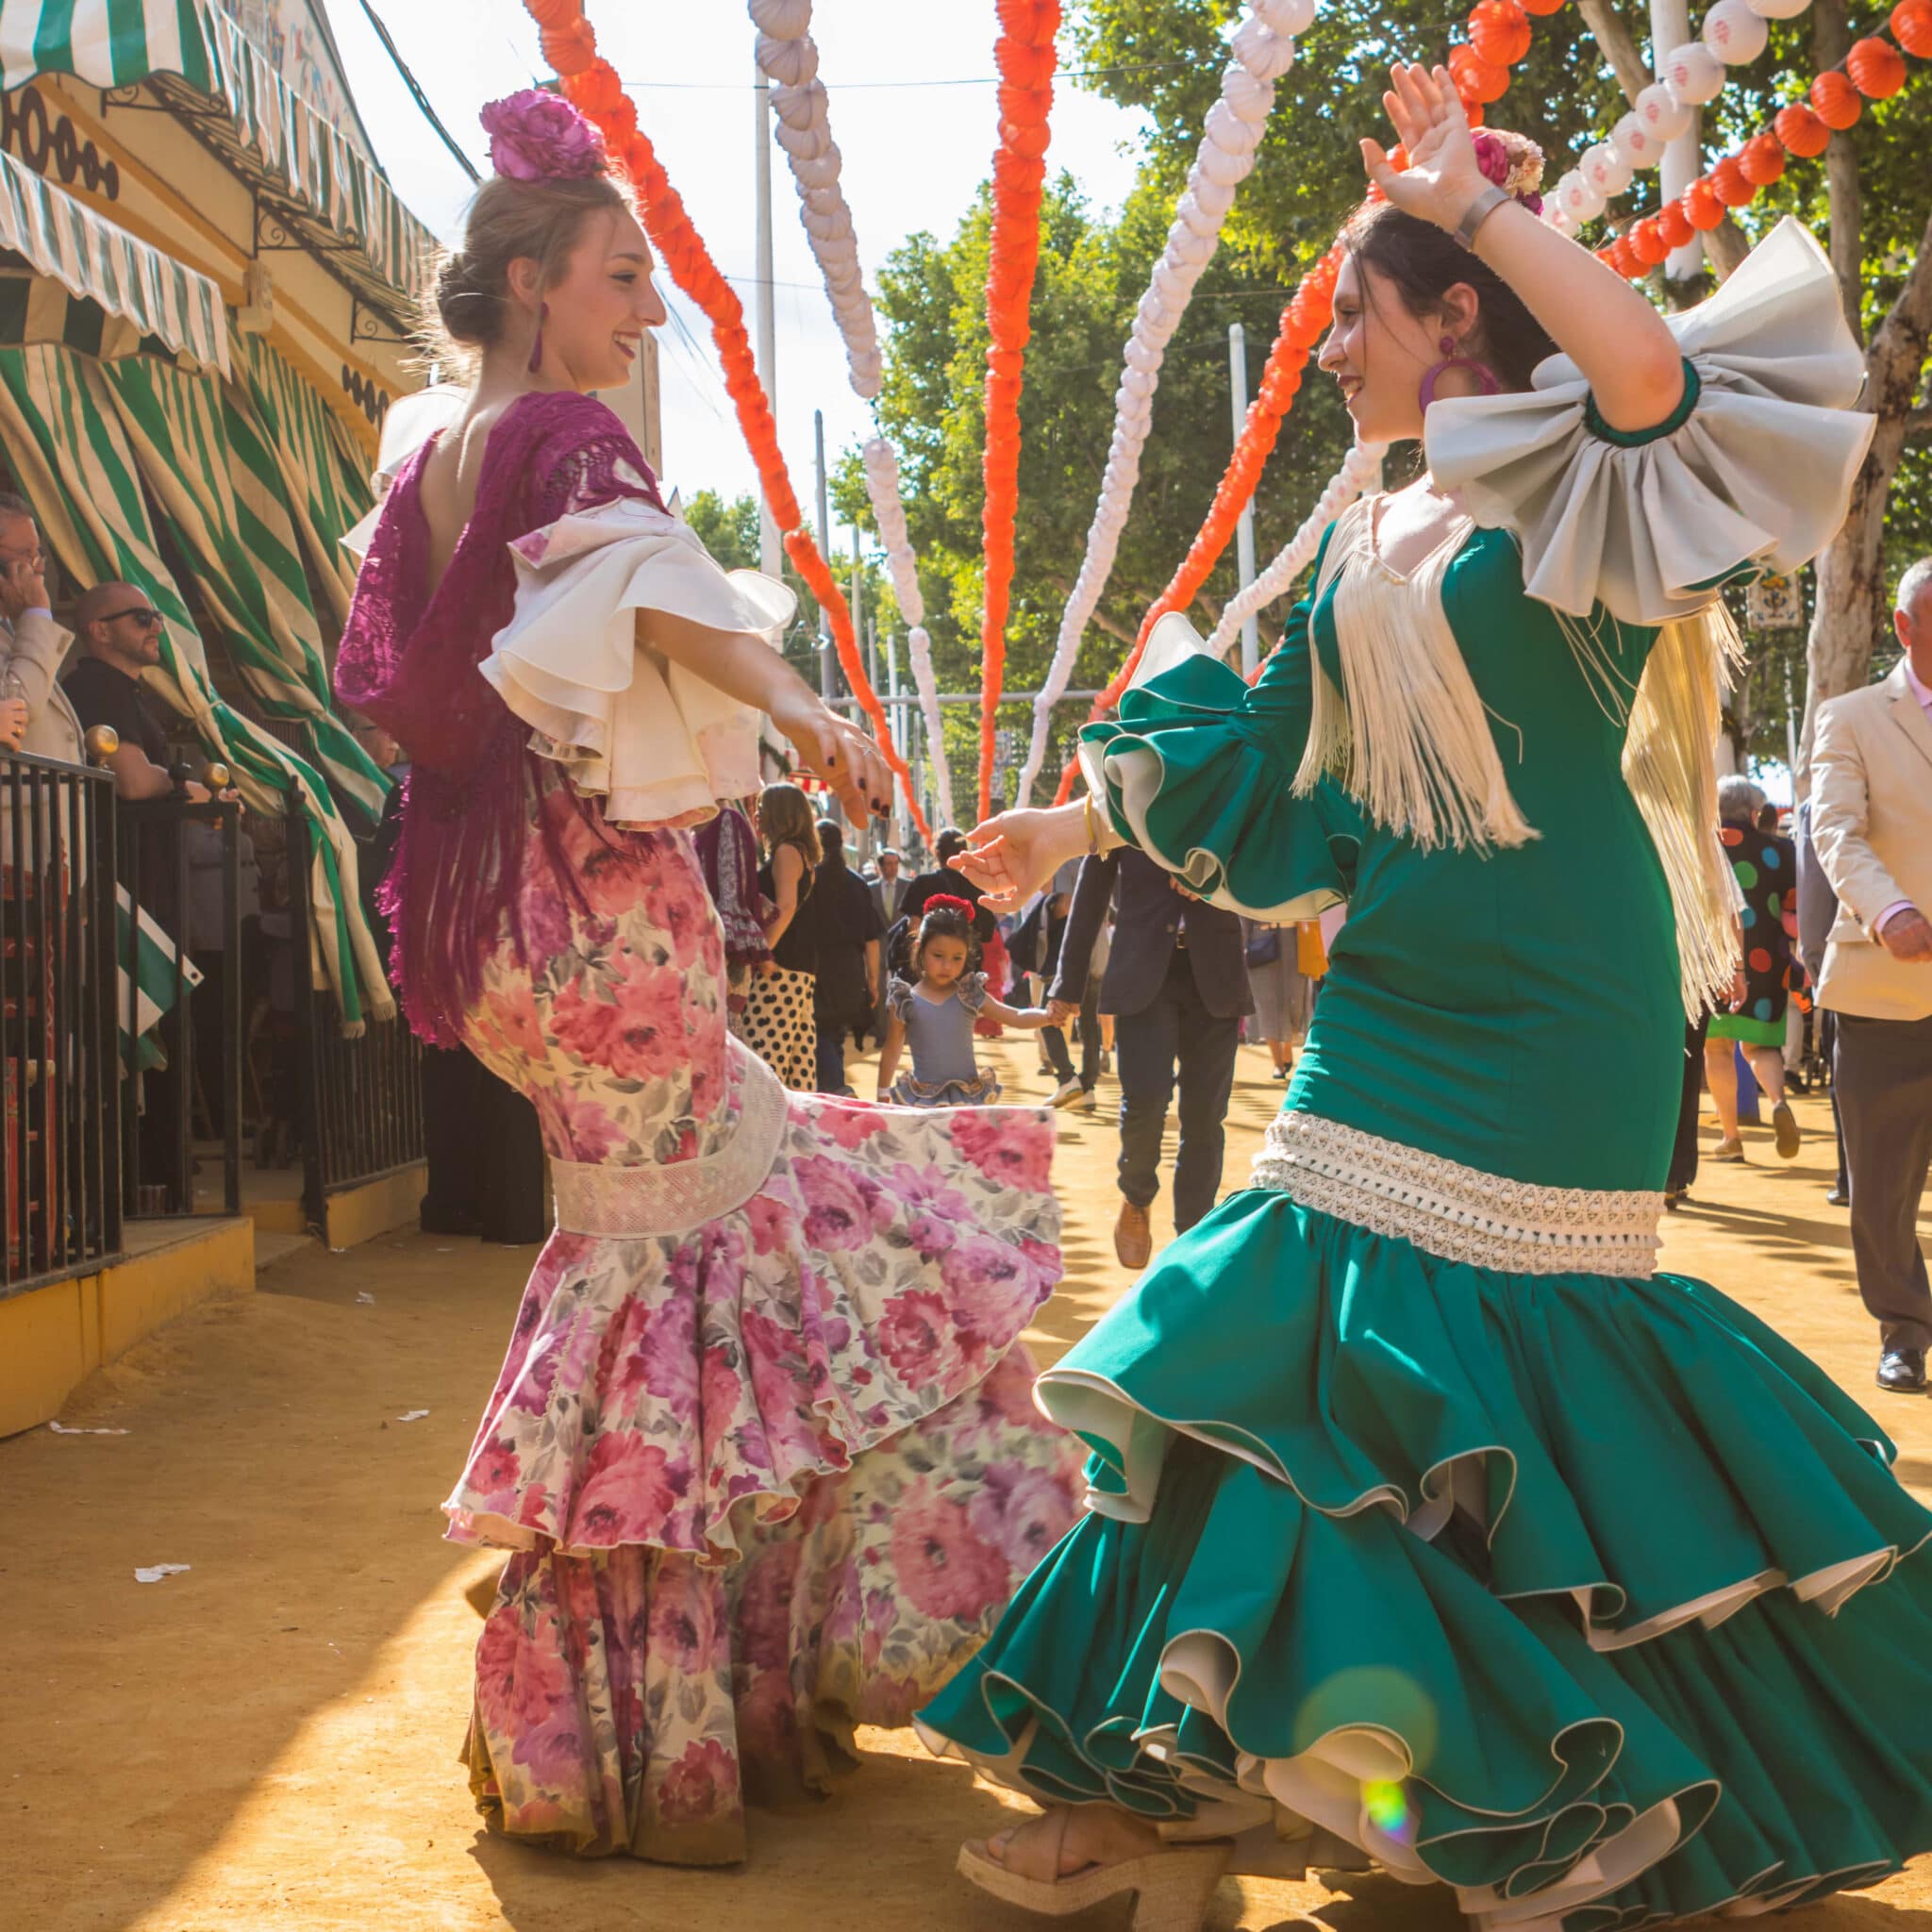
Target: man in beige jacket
32,646
1871,824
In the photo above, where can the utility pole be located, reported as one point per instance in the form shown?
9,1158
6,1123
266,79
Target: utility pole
771,553
828,687
1244,530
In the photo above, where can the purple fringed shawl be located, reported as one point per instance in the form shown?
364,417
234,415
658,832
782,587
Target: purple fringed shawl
408,662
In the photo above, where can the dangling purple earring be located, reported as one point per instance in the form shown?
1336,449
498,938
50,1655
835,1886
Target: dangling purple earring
536,360
1484,375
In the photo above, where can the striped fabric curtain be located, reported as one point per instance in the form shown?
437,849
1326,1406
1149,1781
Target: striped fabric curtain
211,468
63,435
325,478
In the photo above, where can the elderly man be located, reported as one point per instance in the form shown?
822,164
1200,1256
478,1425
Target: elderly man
1872,824
34,715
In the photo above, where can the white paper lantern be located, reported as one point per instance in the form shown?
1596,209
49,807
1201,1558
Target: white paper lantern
794,62
1606,172
1779,10
1251,98
1636,143
1266,55
784,20
1693,74
1662,113
1284,16
1577,198
1734,33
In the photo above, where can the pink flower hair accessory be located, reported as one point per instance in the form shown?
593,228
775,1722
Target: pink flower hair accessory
539,135
1513,162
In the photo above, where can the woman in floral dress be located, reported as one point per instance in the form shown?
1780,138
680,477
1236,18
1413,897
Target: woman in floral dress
762,1449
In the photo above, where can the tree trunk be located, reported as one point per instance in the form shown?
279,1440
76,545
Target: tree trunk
1852,605
1831,39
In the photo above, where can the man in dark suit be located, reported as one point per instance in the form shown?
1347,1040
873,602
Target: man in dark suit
943,879
1176,985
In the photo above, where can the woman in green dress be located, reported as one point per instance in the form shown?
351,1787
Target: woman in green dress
1428,1526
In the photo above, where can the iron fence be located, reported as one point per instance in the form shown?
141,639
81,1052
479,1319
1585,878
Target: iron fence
59,1067
360,1101
174,1081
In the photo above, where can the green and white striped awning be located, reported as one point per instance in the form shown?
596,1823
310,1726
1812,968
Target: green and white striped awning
62,429
276,132
96,261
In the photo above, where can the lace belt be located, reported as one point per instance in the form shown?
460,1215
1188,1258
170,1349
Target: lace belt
1458,1213
671,1198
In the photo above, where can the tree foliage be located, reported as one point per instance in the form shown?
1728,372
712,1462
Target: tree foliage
1164,57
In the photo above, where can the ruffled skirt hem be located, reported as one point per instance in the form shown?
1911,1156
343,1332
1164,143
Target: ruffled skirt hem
1554,1589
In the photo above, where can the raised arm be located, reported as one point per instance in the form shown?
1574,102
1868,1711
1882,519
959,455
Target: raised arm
1619,342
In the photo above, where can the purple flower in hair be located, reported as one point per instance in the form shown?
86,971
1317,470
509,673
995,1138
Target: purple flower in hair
1534,203
1492,158
539,135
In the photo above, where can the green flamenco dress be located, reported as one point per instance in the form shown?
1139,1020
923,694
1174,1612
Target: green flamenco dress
1428,1525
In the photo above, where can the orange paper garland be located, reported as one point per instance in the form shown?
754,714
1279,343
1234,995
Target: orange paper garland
1026,60
570,45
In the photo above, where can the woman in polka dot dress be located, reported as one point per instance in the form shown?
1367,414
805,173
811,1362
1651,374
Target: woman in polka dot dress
1765,866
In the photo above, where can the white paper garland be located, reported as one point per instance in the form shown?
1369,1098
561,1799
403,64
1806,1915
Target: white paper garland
882,485
788,56
1360,468
1263,50
1733,34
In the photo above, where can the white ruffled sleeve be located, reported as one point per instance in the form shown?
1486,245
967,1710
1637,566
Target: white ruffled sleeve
657,743
1752,472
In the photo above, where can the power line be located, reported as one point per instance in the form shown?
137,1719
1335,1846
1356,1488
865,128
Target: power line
415,87
957,80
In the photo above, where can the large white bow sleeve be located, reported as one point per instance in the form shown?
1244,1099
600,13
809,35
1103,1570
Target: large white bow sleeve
1756,471
657,743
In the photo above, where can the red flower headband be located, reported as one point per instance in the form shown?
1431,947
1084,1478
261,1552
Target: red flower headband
945,902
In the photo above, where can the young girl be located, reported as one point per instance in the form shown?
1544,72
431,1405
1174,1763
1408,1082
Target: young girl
935,1013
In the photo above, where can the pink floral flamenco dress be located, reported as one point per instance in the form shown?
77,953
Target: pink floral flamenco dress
763,1448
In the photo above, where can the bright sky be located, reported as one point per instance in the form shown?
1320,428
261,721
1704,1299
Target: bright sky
912,109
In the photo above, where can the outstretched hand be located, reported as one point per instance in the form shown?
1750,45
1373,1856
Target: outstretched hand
839,754
1443,177
1012,855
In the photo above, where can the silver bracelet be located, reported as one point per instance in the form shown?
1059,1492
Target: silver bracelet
1478,211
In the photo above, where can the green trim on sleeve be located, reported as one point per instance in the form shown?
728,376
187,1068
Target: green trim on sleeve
1631,439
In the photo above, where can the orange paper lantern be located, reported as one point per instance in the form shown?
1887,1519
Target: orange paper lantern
1702,207
1911,26
1878,69
1801,131
1476,78
1728,181
1762,159
1836,100
1499,31
1646,243
1674,224
1544,6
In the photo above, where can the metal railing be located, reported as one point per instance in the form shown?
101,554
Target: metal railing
156,960
361,1100
60,1063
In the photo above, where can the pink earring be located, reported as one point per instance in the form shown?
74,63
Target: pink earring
536,360
1484,375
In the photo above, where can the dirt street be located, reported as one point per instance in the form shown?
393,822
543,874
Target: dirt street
269,1738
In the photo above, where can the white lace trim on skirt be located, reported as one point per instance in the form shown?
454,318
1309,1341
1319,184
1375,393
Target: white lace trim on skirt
1456,1212
670,1198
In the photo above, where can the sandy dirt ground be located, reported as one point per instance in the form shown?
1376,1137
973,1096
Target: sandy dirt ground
269,1739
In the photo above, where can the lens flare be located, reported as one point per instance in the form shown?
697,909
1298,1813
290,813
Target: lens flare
1387,1806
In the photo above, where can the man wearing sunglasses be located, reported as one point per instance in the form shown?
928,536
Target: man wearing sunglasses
35,713
121,635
